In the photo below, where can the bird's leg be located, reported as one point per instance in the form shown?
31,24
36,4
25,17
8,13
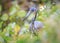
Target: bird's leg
33,28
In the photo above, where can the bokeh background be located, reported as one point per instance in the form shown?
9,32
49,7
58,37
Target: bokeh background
13,11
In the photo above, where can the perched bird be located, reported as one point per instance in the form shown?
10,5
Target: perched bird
34,25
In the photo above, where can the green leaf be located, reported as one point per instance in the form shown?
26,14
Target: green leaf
21,13
4,17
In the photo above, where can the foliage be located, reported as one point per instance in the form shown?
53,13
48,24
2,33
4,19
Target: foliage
49,34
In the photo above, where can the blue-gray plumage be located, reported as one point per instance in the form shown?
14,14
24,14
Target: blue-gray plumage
36,26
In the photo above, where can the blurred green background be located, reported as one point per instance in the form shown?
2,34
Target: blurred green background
12,13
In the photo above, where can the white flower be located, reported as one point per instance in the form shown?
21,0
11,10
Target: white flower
7,34
42,7
13,25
